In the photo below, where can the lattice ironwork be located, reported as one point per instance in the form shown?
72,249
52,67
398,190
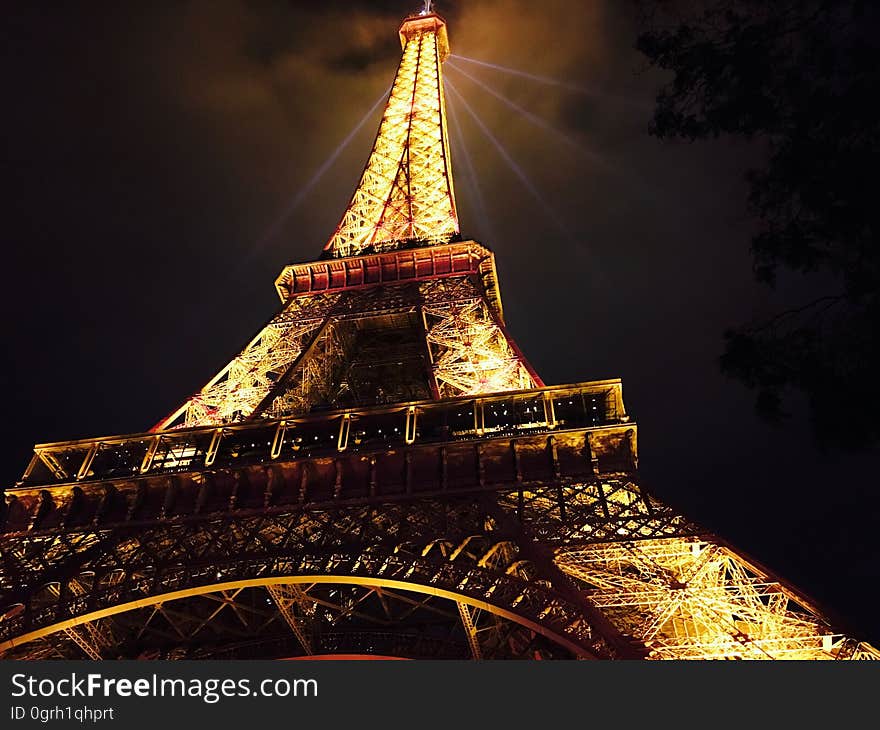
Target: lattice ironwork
644,580
470,352
381,471
239,388
300,358
315,378
345,619
470,629
406,192
396,546
296,608
686,598
95,638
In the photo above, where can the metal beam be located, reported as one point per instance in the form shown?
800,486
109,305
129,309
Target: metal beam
287,597
467,621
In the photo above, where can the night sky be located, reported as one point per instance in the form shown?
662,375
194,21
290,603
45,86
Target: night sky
155,157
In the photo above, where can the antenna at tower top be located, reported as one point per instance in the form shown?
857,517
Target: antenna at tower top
427,7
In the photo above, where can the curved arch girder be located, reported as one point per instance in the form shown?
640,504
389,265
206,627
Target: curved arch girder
67,624
471,564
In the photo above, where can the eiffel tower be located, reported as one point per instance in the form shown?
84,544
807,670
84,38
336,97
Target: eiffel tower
381,472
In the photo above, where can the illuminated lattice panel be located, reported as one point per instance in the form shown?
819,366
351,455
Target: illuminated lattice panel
471,354
688,599
406,191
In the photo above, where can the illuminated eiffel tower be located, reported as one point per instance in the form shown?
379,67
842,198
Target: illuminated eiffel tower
381,472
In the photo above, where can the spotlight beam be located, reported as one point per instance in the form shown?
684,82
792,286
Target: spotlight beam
471,172
526,75
599,159
515,168
318,174
550,81
530,116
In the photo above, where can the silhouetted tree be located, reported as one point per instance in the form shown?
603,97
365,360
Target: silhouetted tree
803,76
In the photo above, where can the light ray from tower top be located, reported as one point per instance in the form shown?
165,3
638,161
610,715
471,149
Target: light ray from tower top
598,158
550,81
301,194
511,163
473,179
530,116
526,74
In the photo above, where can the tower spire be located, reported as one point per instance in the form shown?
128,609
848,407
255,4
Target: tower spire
406,193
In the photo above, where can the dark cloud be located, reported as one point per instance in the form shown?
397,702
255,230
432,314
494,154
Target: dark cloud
357,59
149,148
